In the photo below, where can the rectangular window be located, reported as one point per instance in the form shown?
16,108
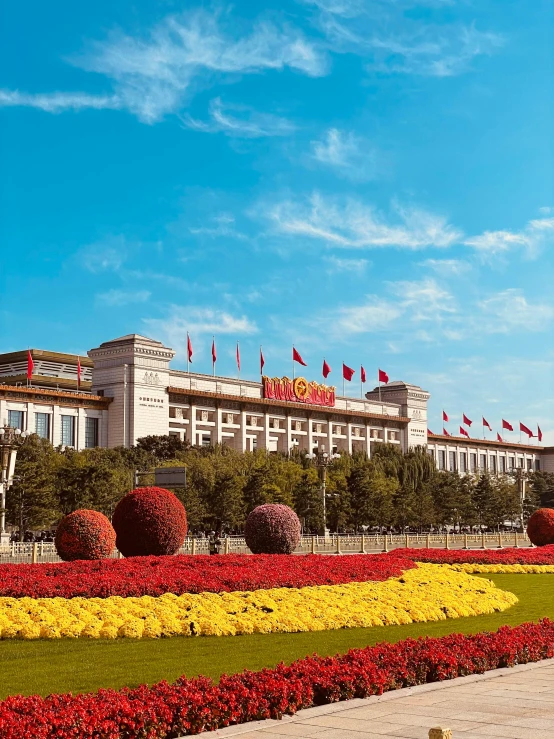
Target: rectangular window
42,425
512,463
473,462
91,432
442,459
502,461
483,462
68,430
431,453
452,461
520,462
492,465
537,465
15,420
463,461
529,464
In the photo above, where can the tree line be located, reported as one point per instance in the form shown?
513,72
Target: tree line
389,491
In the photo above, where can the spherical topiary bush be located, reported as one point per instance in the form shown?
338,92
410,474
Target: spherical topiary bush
540,527
149,521
84,535
272,529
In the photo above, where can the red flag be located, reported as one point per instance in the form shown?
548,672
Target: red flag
463,432
539,433
214,353
326,371
30,365
526,430
362,374
262,361
189,349
78,372
466,420
507,426
499,438
297,358
383,377
444,416
238,357
430,433
486,423
445,432
347,372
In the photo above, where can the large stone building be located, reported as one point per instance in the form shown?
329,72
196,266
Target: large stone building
128,390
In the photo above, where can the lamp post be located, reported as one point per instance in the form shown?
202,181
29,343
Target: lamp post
9,439
322,461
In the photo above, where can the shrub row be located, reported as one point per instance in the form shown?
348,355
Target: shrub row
185,574
511,555
190,706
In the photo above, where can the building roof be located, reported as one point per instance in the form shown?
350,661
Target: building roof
48,356
484,442
132,338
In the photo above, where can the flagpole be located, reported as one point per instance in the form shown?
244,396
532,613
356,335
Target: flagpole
213,360
261,368
379,380
343,390
188,354
238,364
293,361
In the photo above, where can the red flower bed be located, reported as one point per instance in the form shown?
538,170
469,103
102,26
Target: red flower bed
190,706
186,574
511,555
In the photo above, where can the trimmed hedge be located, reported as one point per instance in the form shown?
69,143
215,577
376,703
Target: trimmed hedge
540,527
149,521
84,534
272,529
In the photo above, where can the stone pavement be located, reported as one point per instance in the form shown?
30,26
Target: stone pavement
515,703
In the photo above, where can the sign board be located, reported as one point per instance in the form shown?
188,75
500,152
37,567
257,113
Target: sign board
170,477
298,390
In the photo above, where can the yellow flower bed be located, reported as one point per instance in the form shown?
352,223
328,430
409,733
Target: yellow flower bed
504,569
429,592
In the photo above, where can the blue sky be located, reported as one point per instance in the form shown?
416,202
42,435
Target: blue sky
372,180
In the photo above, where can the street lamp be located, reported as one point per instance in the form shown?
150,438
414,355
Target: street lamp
322,461
9,440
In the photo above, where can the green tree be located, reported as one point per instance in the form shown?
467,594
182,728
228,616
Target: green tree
308,502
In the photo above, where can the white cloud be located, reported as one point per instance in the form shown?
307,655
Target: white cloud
198,322
509,310
353,224
350,155
222,224
425,299
447,267
104,256
153,75
546,210
58,102
248,124
376,314
346,265
123,297
535,234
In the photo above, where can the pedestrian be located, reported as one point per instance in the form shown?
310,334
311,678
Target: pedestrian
214,543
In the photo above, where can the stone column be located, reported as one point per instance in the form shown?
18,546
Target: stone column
243,430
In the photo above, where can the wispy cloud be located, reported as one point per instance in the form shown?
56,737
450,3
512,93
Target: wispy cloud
376,314
535,234
447,267
104,256
240,121
222,224
353,224
198,321
154,75
425,299
509,310
58,102
358,266
350,155
123,297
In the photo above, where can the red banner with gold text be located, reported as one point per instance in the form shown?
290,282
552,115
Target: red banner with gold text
298,390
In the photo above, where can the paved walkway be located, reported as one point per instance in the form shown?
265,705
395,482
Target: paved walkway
513,703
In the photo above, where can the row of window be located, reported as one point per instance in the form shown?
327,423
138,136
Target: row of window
43,427
469,462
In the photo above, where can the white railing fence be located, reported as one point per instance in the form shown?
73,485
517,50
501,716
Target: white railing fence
18,552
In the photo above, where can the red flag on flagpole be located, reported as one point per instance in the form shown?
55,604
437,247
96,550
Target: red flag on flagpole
499,438
297,358
430,433
539,433
78,373
466,420
189,349
486,423
444,416
507,426
214,353
326,371
463,432
262,361
362,374
383,377
238,357
526,430
347,372
30,365
445,432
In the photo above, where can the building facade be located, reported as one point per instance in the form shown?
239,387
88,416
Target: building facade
128,390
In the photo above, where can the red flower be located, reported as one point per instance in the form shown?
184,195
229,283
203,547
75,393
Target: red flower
84,534
272,529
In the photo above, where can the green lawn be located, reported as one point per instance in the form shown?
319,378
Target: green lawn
74,665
